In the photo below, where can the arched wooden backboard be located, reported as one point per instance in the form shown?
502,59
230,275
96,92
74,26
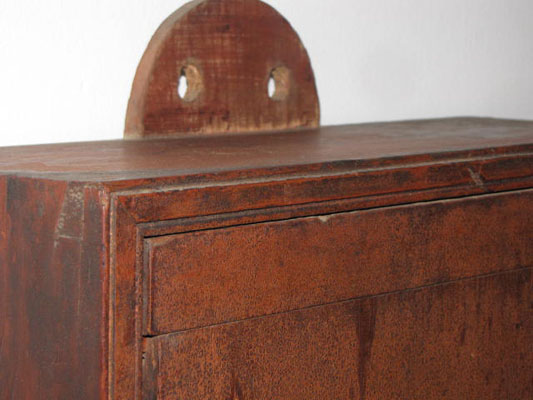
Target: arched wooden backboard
227,51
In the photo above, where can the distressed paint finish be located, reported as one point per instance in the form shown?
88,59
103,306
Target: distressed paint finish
214,276
469,339
52,328
93,283
135,226
389,260
268,155
228,50
138,191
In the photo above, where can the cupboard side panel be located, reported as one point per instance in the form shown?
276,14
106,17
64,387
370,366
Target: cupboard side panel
53,268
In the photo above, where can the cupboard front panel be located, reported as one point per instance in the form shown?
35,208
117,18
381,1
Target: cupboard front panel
215,276
468,339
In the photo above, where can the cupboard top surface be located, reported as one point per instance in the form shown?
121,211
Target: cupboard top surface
330,147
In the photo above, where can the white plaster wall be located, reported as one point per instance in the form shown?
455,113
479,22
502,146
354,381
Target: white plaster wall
66,66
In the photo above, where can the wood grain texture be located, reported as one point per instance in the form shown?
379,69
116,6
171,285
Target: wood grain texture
209,277
319,150
135,191
144,214
247,253
469,339
227,50
53,291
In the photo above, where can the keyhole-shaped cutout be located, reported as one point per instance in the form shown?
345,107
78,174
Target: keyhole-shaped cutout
271,87
183,85
279,84
190,84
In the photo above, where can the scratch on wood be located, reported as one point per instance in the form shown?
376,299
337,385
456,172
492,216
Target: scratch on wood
73,205
70,225
325,218
478,180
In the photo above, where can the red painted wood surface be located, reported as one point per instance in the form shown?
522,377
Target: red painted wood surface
463,340
74,234
374,261
53,290
321,150
227,50
145,213
216,276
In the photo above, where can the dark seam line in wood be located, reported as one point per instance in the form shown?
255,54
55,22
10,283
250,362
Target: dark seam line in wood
112,294
339,302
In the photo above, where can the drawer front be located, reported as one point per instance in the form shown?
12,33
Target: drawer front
214,276
462,340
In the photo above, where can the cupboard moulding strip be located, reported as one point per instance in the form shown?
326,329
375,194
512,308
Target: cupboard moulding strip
200,223
165,188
